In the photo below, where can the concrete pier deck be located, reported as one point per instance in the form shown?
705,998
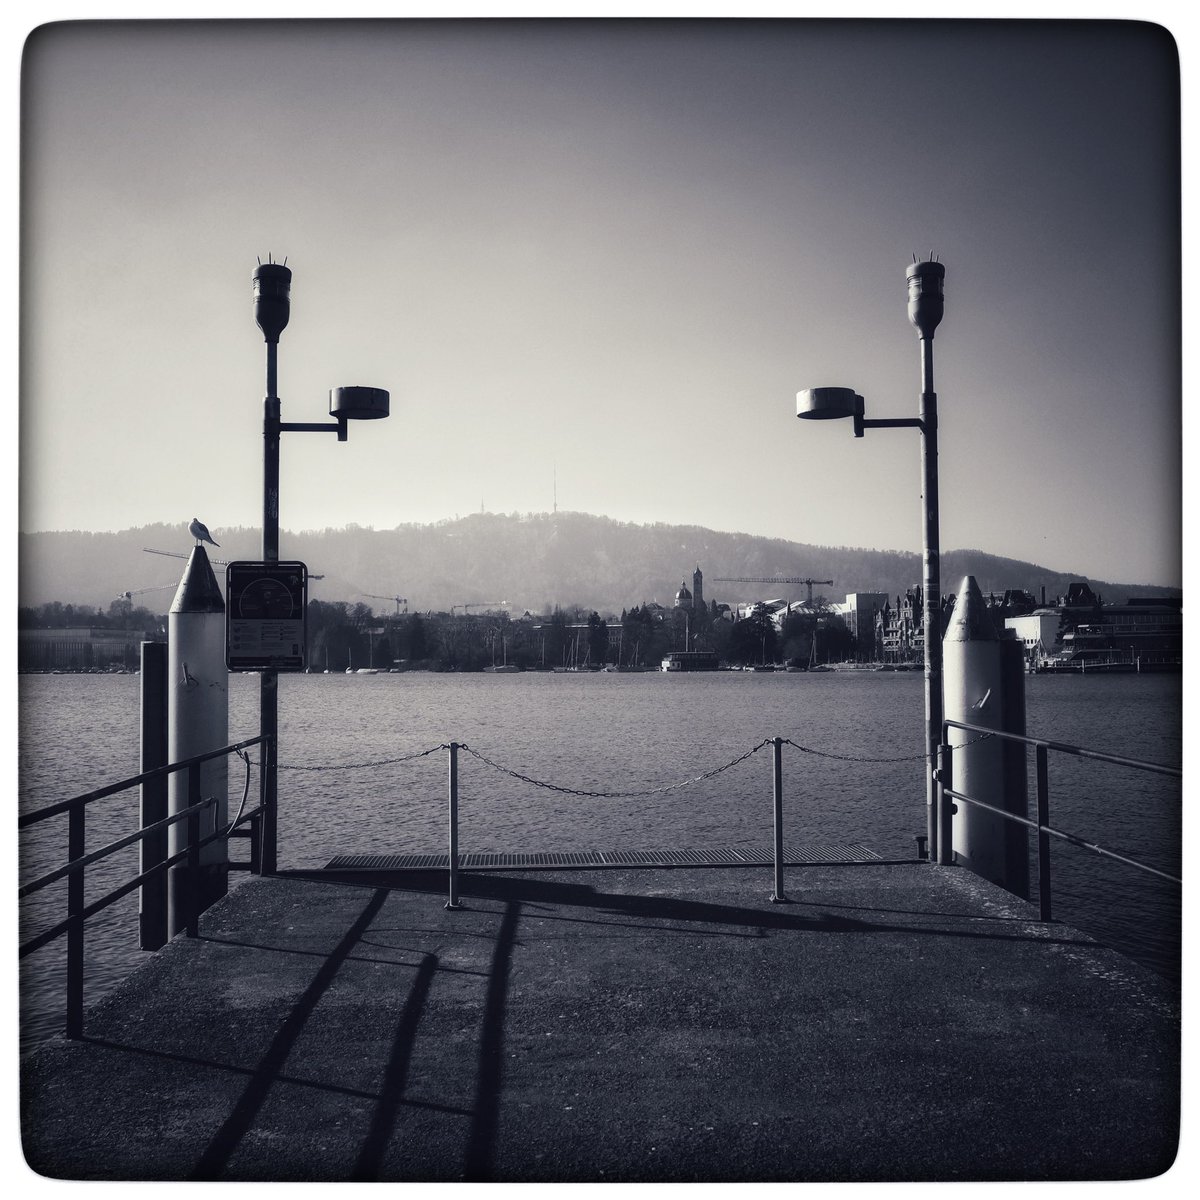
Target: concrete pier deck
893,1022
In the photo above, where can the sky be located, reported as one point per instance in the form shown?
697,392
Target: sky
593,262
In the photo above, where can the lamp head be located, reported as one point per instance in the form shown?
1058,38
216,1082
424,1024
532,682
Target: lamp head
272,299
925,302
826,403
358,403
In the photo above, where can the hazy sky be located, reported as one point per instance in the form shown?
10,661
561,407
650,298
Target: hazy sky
612,251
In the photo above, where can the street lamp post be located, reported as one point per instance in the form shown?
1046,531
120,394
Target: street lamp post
272,307
925,307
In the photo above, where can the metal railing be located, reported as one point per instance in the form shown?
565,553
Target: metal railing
1042,826
78,860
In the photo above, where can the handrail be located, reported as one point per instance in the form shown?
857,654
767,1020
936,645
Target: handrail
1065,748
111,789
1073,838
78,861
1042,825
48,935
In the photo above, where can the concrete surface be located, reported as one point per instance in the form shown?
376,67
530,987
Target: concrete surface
894,1022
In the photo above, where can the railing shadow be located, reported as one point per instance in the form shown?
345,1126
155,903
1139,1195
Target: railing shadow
651,911
217,1154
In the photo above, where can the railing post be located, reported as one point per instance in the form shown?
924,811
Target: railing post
945,846
777,896
256,824
452,902
270,802
193,852
75,850
1043,819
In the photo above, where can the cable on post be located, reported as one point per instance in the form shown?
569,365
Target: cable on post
245,757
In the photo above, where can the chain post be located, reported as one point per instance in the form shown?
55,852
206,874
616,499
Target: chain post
452,902
777,896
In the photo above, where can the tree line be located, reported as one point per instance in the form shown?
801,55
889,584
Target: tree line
345,636
342,636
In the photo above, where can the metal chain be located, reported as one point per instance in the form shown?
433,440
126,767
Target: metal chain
658,791
245,757
855,758
381,762
554,787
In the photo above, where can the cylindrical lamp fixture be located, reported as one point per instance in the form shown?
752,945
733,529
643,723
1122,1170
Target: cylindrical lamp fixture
828,403
358,403
272,299
926,281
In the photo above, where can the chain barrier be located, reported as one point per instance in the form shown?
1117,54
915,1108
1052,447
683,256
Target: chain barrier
658,791
569,791
381,762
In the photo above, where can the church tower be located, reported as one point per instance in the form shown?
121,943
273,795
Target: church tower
698,589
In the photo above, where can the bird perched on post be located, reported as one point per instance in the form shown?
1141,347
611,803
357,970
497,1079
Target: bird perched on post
200,532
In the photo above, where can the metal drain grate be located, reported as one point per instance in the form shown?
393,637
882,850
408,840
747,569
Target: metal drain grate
713,856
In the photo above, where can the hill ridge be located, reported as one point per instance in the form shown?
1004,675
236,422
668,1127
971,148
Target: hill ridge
531,561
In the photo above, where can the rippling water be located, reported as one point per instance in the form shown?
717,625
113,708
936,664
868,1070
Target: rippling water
605,732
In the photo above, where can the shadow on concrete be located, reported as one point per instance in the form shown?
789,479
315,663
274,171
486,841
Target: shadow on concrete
395,1076
644,911
481,1140
498,1114
217,1154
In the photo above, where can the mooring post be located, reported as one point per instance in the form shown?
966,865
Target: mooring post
983,688
777,896
452,902
152,850
198,707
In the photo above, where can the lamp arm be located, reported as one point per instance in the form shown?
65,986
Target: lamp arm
862,423
338,427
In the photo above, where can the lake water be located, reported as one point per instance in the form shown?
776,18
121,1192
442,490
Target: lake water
606,732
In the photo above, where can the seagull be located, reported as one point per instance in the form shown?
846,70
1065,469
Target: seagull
200,532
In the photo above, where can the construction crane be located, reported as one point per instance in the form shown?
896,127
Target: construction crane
777,579
221,562
478,604
162,587
398,599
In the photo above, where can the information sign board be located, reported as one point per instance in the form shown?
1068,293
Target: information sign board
266,608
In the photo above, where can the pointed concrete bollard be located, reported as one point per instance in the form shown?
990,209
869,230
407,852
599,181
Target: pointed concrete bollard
981,686
198,721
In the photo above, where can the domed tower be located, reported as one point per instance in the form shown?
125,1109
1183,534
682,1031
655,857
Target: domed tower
683,598
697,589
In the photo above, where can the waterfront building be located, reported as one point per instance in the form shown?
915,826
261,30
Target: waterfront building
1141,634
79,649
860,611
1038,632
900,631
690,660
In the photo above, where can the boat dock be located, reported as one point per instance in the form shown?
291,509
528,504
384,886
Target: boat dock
891,1021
